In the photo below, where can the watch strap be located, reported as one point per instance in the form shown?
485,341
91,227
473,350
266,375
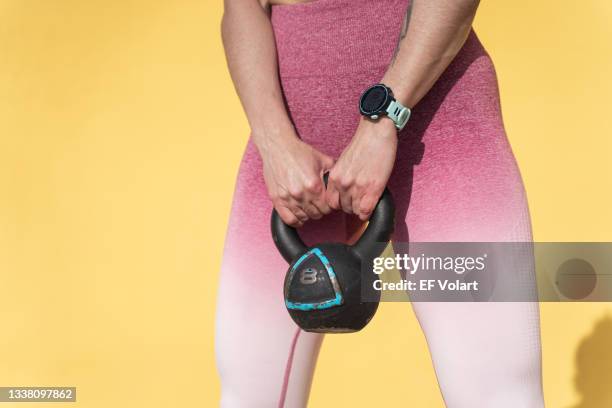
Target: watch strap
398,113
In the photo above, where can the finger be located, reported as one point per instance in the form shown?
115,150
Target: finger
327,163
346,202
314,190
312,211
298,211
319,200
366,206
332,196
321,203
288,217
355,200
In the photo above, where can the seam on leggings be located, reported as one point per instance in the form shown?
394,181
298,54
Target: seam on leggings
281,401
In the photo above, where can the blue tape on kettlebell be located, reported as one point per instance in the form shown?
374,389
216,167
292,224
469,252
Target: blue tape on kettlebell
338,298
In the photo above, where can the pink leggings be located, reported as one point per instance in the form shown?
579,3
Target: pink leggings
455,179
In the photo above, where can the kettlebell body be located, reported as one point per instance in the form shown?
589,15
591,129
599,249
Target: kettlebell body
325,284
323,290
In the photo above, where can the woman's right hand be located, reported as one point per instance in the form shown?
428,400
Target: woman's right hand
293,172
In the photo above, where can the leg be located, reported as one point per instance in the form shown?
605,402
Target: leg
485,354
263,359
467,188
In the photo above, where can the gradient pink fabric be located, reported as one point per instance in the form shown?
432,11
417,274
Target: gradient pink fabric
455,179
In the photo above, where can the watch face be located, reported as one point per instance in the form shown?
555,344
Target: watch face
373,100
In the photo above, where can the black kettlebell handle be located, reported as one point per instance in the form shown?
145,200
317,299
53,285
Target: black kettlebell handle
379,230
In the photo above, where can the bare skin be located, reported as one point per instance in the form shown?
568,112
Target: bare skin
433,33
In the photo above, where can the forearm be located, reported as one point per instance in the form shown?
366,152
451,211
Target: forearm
250,52
433,33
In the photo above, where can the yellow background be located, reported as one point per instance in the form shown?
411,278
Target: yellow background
120,137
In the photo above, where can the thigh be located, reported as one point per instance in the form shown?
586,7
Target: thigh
263,358
456,177
458,181
485,354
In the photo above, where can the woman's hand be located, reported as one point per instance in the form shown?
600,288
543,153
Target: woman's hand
292,169
293,172
360,175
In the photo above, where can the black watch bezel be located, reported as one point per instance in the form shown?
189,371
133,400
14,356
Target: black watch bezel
382,109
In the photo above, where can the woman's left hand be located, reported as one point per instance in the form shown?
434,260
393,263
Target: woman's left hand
360,175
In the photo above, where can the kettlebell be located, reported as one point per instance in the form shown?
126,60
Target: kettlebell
325,284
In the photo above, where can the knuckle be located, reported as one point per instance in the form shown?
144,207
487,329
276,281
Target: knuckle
312,185
346,182
289,219
301,215
377,185
362,183
283,195
296,193
316,215
366,210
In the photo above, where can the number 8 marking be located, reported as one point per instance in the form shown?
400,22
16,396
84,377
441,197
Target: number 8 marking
308,276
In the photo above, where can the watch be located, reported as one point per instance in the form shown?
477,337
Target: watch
378,100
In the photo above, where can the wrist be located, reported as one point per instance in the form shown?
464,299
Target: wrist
403,92
270,134
382,128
